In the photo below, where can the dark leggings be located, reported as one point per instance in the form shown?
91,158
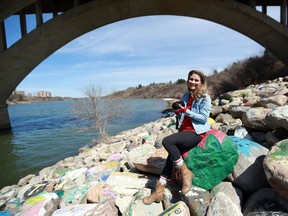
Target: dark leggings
176,144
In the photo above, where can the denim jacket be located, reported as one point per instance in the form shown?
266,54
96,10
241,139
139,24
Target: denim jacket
199,113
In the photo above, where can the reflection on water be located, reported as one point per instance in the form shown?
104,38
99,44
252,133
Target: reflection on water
44,133
8,159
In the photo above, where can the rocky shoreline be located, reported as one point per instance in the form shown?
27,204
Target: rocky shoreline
111,178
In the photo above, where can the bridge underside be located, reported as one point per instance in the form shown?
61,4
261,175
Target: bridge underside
81,16
52,6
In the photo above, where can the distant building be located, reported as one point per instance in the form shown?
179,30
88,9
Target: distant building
30,95
19,92
43,94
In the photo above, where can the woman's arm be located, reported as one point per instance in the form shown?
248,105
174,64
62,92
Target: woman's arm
204,110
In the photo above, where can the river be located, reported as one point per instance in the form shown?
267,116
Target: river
44,133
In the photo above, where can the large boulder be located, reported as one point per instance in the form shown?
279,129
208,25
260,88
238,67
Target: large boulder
277,100
248,174
276,168
178,209
137,207
254,118
147,158
197,200
267,201
278,118
212,160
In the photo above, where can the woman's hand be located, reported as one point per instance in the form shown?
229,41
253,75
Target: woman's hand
181,109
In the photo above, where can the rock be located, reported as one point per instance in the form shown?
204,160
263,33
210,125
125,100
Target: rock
44,204
7,193
212,160
237,111
116,157
13,205
147,158
116,147
122,202
240,93
106,207
111,166
178,209
271,138
60,171
35,190
216,126
259,137
278,100
25,180
95,173
137,207
130,183
74,174
215,110
265,200
251,101
267,90
222,205
242,133
267,213
248,174
75,210
278,118
255,118
94,193
74,196
5,213
234,194
276,168
224,118
197,200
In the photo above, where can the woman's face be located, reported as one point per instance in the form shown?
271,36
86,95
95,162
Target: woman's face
194,82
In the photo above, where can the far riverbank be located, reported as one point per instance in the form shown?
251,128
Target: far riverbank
29,100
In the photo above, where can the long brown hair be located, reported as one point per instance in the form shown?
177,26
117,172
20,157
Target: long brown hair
200,91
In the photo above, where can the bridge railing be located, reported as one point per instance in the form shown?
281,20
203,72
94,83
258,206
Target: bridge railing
48,9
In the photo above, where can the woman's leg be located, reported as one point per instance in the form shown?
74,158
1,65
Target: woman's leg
158,194
180,142
176,143
168,169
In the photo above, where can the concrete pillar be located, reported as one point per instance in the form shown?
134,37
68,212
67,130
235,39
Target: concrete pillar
23,23
253,3
38,13
3,44
54,8
4,117
283,13
264,7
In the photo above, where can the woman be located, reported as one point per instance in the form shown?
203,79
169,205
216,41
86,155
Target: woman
193,124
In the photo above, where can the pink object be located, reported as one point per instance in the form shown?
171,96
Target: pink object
184,154
34,210
217,133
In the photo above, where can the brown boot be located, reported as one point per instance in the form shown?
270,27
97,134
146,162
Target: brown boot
156,196
187,177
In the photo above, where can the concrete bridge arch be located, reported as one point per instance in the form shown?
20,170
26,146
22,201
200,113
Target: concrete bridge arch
21,58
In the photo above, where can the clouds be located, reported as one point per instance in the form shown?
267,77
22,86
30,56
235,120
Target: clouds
140,51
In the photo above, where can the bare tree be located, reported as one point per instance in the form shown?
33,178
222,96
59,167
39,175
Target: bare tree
99,110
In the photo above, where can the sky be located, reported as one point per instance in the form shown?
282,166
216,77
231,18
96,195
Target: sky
151,49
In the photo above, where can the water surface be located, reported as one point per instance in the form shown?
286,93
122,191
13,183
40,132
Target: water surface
44,133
